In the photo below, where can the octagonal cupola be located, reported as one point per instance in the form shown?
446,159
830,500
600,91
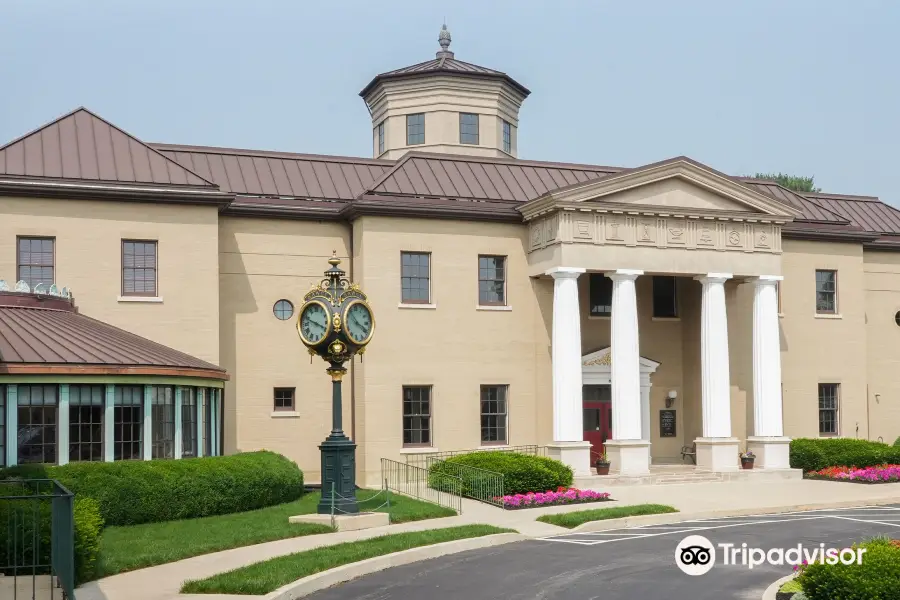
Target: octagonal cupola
444,105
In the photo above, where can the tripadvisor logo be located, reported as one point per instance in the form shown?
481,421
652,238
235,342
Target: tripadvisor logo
696,555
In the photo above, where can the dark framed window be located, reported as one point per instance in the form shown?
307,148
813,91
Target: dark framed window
492,280
162,410
507,137
37,430
283,310
417,415
665,300
188,422
128,423
468,128
35,260
139,268
380,134
826,292
415,277
415,129
829,400
600,295
86,422
284,398
494,414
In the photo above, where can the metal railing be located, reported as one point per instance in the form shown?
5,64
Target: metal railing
479,484
422,459
416,481
37,553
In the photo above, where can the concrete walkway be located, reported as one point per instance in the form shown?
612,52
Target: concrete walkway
163,582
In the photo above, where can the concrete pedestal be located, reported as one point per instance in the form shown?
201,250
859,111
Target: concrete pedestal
630,458
771,452
366,520
720,455
575,454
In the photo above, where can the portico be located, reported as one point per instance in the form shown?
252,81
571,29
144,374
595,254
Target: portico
721,242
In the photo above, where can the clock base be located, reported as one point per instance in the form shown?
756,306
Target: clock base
338,476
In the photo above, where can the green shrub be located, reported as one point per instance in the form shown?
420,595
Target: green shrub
897,443
132,492
815,454
522,473
88,525
878,577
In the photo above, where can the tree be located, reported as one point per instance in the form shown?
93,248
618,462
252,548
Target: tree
791,182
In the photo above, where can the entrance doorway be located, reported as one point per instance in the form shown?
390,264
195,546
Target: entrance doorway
597,407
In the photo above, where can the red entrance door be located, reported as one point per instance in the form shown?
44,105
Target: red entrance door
597,406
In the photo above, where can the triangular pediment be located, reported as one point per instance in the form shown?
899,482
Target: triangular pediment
677,186
602,360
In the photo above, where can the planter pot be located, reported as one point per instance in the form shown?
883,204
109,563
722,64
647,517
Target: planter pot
747,463
602,469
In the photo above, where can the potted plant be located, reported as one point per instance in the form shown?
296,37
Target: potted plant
747,459
602,464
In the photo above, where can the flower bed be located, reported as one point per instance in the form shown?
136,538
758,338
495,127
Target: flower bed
877,474
562,495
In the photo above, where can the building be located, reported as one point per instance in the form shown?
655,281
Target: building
579,307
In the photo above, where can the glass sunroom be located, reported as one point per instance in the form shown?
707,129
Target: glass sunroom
75,389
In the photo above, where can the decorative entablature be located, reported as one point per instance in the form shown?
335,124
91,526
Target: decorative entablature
726,216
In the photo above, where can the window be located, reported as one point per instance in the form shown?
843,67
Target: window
283,310
3,389
37,423
162,410
415,277
417,415
207,422
86,422
138,268
128,423
829,396
665,304
468,128
34,261
188,422
826,292
600,295
415,129
493,414
507,137
380,134
284,398
897,317
492,280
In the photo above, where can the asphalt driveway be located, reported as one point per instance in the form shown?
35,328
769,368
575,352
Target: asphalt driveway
636,563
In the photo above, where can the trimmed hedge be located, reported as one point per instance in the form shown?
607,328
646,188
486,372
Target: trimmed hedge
814,454
877,577
133,492
897,443
522,473
88,525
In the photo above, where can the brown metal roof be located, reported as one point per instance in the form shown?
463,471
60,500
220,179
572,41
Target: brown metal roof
83,146
811,210
256,173
866,212
444,65
36,340
454,176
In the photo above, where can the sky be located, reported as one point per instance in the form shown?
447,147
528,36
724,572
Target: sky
809,87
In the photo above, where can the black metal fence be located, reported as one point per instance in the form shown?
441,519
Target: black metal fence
479,484
411,480
37,558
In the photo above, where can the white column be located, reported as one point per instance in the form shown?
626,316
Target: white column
12,425
62,425
716,450
148,423
201,396
109,416
645,409
629,451
771,448
178,435
568,426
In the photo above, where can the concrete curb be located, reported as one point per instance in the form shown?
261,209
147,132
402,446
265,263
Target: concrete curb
670,518
772,590
325,579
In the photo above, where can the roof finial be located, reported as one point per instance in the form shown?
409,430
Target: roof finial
444,41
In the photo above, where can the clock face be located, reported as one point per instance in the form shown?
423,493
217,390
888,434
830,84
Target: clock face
313,323
359,322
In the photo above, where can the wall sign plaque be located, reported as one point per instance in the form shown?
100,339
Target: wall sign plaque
667,423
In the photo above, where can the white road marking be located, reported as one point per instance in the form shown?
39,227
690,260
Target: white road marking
865,521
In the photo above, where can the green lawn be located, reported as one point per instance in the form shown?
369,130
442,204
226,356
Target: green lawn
791,586
267,576
137,546
576,518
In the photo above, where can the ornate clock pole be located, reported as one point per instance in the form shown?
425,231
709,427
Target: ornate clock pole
336,323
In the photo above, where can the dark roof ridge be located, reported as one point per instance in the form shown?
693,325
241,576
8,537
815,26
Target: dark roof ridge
830,196
269,153
511,161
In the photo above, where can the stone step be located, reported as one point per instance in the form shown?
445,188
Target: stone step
692,478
